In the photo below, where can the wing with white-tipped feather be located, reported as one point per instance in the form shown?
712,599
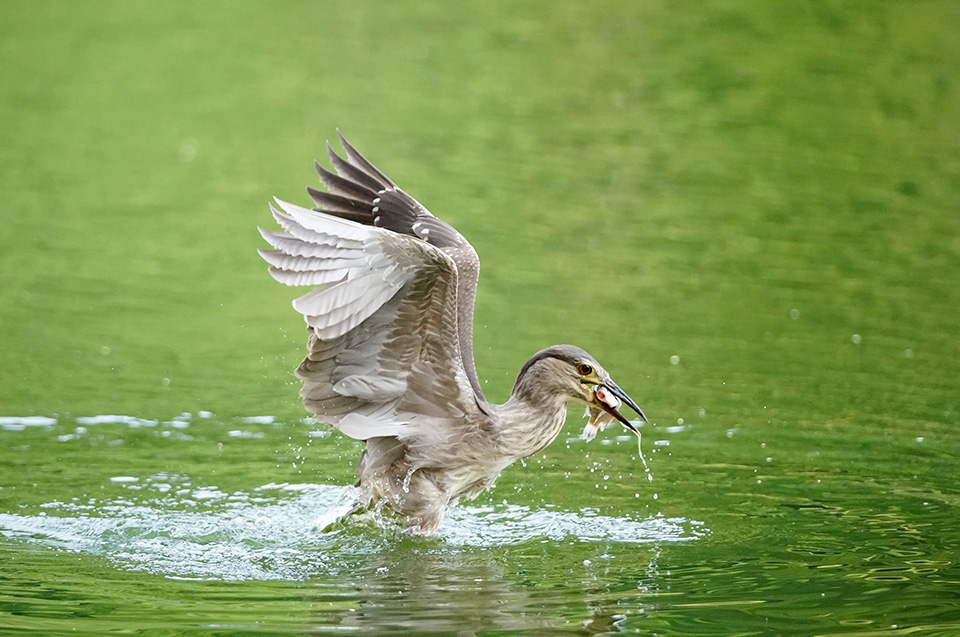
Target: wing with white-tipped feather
360,192
384,356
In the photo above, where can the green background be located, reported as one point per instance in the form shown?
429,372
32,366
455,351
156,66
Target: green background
640,180
768,192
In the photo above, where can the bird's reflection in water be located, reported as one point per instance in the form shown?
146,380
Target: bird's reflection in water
425,587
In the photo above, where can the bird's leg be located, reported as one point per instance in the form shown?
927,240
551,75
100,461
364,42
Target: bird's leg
422,503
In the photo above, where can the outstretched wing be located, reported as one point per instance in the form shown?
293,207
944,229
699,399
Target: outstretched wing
384,356
360,192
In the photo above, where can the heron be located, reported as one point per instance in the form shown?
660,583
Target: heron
390,348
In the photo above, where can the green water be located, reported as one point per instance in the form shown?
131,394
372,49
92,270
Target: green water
748,212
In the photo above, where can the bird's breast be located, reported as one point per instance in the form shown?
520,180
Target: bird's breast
470,479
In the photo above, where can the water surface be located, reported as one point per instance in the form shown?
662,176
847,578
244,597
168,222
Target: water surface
707,544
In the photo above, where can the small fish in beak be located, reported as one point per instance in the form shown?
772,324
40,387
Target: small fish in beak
607,399
599,419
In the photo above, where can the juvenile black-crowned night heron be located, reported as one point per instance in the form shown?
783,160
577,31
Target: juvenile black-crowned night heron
390,324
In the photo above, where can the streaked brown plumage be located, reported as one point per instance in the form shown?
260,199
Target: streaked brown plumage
390,344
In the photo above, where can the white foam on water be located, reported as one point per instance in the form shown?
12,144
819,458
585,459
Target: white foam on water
258,420
17,423
112,419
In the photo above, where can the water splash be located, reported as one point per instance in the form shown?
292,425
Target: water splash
270,533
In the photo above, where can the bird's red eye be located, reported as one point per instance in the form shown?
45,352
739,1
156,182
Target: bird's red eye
584,369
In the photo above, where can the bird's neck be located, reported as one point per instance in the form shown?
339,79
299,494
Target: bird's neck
528,422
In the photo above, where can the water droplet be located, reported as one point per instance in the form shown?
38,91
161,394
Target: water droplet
642,459
406,479
855,339
674,360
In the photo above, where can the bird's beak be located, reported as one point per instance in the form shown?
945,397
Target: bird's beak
622,395
607,397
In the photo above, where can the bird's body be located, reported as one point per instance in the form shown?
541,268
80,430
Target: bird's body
390,348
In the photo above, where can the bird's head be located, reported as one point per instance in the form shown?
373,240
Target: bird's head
572,371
